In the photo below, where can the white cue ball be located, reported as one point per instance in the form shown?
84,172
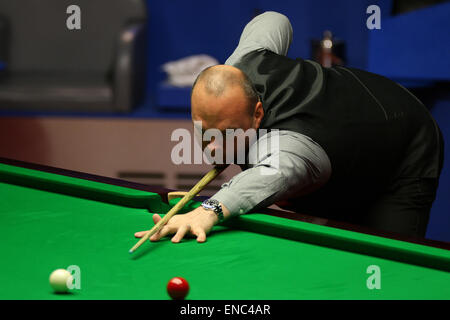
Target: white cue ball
60,279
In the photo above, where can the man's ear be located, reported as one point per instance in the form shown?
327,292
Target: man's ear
258,115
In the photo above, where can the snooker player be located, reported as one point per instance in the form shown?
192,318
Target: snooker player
353,146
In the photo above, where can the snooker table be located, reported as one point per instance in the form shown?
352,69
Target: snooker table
53,218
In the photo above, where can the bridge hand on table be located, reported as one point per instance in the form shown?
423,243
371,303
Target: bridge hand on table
197,223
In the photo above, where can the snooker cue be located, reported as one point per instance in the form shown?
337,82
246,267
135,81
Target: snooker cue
210,176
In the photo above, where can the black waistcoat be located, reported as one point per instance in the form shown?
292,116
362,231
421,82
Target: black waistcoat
367,124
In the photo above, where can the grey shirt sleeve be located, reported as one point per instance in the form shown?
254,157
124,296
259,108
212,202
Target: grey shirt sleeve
294,165
267,31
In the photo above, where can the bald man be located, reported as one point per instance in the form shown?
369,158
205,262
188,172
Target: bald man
352,146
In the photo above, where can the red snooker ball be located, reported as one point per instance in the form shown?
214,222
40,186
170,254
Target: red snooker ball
178,288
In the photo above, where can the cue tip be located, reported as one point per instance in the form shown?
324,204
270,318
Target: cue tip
131,251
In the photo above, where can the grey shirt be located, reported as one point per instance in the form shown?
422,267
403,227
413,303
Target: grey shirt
298,165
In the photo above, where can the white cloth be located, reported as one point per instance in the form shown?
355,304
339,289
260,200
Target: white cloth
183,72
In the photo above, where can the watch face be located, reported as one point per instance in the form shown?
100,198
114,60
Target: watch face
210,204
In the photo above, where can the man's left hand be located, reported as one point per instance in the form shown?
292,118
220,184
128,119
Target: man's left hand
198,223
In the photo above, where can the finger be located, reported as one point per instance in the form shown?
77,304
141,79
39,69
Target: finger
140,234
156,217
201,235
161,233
181,233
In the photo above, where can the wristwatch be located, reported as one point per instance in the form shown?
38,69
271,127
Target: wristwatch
215,206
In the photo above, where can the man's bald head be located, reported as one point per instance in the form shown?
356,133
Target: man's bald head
218,80
223,98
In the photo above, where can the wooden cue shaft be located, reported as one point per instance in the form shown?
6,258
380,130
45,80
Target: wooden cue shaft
210,176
